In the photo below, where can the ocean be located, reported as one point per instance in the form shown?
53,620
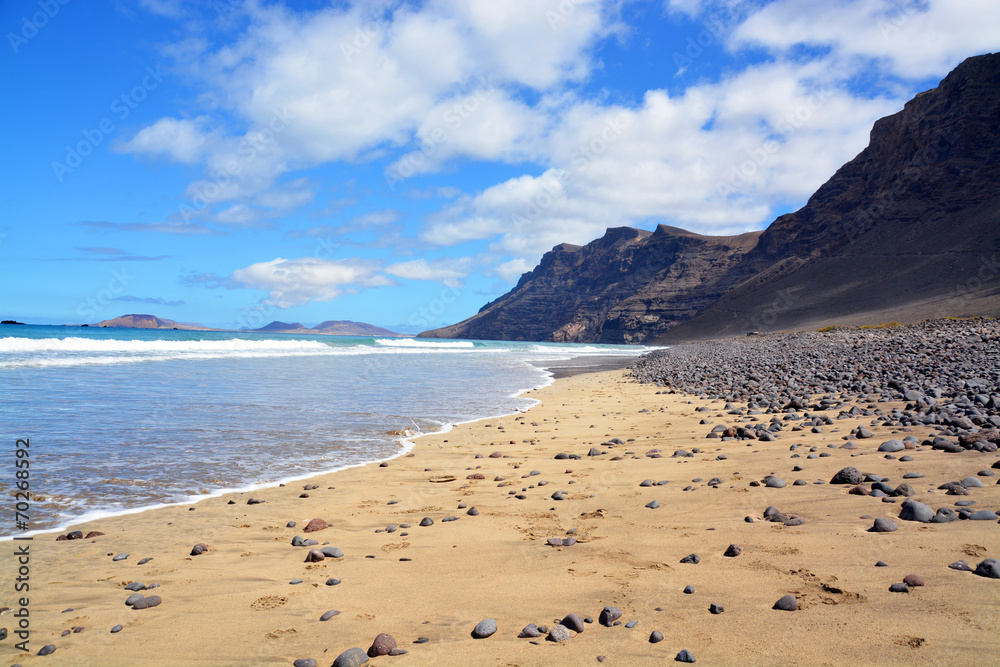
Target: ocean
120,420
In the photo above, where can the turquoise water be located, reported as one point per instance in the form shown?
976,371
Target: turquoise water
123,419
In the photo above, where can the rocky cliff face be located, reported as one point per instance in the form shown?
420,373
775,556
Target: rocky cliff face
627,286
909,229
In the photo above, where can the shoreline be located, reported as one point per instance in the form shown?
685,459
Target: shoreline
234,604
406,444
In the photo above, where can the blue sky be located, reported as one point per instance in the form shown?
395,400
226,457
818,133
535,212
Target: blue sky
402,163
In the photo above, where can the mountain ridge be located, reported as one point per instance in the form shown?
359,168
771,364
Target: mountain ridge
907,230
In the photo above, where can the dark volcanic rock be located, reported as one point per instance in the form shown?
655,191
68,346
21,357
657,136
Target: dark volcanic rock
485,628
883,526
148,602
609,615
786,603
530,631
849,475
352,657
733,551
916,511
383,645
989,568
316,525
573,621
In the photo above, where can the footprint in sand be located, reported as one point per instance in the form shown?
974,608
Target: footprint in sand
268,602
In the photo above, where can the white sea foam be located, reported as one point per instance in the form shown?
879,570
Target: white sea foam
412,342
63,352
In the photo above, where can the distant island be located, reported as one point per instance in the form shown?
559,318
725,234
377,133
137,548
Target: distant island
143,321
12,322
327,328
330,328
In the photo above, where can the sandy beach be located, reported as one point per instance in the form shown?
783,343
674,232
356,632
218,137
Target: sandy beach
235,605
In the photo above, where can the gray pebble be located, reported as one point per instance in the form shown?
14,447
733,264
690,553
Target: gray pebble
684,656
329,614
573,622
485,628
883,526
786,603
558,633
608,616
989,568
530,631
352,657
146,603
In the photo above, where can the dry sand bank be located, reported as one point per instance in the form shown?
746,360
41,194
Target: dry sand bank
234,605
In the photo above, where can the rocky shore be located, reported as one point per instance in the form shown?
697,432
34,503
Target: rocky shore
947,372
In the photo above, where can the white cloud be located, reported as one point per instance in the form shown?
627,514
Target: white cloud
294,282
913,37
346,83
716,159
512,269
182,140
450,271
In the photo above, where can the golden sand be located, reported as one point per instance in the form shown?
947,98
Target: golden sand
234,605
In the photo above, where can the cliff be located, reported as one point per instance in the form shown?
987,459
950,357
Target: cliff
907,230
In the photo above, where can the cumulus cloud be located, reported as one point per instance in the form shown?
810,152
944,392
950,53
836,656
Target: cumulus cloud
182,140
911,37
295,282
450,271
